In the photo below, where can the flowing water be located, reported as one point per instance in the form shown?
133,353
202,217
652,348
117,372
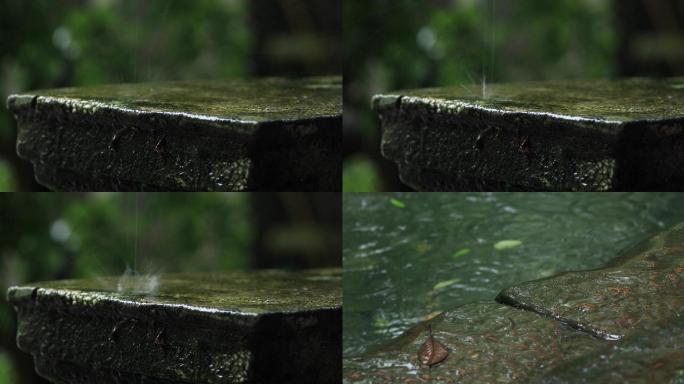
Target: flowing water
427,252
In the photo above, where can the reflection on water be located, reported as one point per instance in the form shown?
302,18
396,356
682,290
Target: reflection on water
407,258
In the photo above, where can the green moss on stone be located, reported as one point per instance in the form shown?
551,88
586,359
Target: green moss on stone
606,101
247,293
237,101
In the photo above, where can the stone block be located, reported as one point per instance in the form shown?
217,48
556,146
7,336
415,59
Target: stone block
234,327
228,135
593,135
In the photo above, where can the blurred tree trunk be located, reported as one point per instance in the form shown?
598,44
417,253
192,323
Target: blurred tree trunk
296,37
297,230
651,37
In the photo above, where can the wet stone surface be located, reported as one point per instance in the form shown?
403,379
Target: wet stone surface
263,134
644,285
594,135
487,343
620,323
654,354
242,327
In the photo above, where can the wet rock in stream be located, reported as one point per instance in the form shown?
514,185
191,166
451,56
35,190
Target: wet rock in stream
645,284
653,354
620,323
487,343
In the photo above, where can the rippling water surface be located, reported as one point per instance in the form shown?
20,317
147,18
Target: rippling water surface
439,250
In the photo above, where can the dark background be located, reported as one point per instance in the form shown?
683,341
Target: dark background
47,236
399,44
55,43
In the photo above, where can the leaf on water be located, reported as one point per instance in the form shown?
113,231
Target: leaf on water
431,315
423,247
507,244
444,284
461,252
432,351
397,203
379,321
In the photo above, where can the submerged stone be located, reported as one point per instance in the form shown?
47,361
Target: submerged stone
263,134
487,343
654,354
239,327
644,285
594,135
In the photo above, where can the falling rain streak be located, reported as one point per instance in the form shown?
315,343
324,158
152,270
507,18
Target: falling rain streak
488,44
133,280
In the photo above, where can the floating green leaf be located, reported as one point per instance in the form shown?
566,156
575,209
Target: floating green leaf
461,252
444,284
380,321
507,244
397,203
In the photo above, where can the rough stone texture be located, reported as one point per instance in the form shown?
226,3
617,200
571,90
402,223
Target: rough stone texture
594,135
264,134
623,323
488,343
654,354
244,327
643,285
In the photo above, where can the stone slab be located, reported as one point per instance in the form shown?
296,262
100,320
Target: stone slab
227,135
487,343
240,327
644,285
654,354
591,135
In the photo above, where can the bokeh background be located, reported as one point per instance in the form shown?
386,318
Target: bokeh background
398,44
46,236
55,43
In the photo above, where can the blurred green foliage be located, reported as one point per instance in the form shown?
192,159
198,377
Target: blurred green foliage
74,235
55,236
359,174
6,372
48,43
6,179
395,44
48,236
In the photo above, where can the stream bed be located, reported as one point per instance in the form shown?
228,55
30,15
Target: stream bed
408,256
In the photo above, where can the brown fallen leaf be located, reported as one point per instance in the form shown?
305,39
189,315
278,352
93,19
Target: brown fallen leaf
432,352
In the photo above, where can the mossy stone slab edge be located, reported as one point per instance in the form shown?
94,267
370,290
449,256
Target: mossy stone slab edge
442,147
229,102
644,285
232,293
444,152
604,104
186,331
163,344
127,153
57,179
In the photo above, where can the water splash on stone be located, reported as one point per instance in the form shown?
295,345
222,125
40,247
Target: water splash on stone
132,282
